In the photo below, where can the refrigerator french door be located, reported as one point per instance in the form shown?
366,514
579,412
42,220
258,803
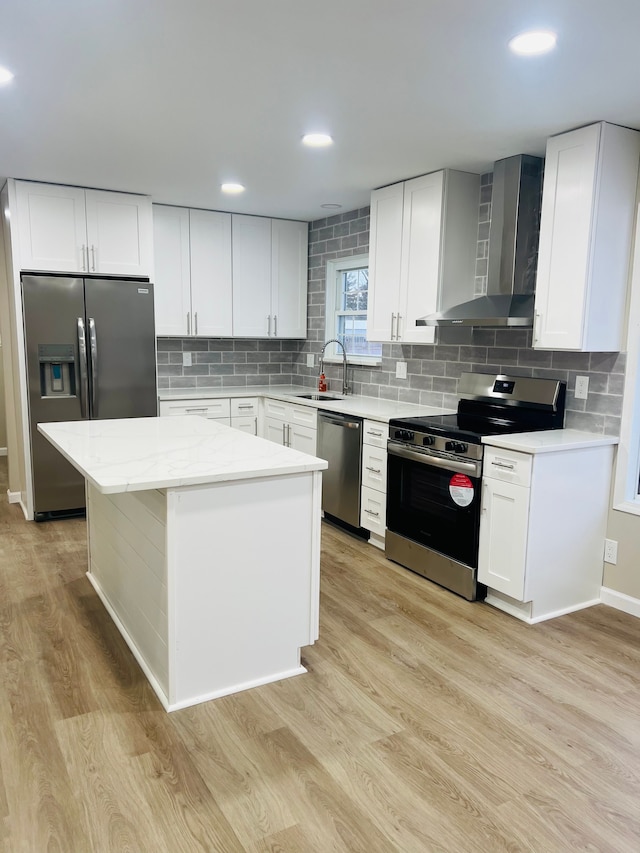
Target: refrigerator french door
91,353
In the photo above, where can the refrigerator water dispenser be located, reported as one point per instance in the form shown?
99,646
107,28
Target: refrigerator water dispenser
57,370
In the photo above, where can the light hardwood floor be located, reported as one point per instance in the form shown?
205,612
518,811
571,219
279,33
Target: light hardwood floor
425,723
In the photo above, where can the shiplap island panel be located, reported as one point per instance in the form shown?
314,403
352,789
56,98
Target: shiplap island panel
204,546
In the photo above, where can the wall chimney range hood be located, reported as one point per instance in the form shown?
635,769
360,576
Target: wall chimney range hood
513,251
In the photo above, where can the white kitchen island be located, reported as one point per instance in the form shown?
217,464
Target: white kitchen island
204,546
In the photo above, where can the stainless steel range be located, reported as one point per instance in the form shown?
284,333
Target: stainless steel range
434,473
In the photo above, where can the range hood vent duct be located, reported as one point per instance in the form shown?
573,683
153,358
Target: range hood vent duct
513,251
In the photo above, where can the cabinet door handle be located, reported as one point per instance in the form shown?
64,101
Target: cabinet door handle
188,322
246,406
393,320
196,410
398,327
373,432
284,435
85,259
268,325
275,325
536,327
373,470
371,512
503,465
195,316
288,435
93,259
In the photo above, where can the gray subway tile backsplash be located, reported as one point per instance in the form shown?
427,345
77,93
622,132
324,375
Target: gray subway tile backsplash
432,369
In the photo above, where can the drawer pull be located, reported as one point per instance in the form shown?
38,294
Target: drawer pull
373,432
247,406
196,410
371,512
373,470
503,465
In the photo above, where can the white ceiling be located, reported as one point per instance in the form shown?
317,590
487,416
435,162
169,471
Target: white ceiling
171,97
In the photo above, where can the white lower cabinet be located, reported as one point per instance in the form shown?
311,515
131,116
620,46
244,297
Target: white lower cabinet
542,529
239,412
291,425
373,498
244,414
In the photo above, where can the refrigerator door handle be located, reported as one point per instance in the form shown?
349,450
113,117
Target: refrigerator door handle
93,344
84,377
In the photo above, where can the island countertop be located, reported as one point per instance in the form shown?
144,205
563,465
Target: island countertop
136,454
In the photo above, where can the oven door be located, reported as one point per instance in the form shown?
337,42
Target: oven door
435,501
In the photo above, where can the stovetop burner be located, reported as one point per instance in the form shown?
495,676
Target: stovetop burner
490,404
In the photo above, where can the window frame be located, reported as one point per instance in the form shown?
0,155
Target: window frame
626,493
332,268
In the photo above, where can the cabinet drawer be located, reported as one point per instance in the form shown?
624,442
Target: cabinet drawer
508,466
375,433
290,412
243,407
374,468
373,510
207,408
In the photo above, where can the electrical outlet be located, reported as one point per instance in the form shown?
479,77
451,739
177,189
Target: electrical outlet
582,387
187,359
610,551
310,359
401,369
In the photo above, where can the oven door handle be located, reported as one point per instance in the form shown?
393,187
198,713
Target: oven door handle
455,465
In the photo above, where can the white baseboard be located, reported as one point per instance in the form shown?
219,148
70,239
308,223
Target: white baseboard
620,601
3,451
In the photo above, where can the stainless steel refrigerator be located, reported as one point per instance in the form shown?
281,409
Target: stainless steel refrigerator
91,353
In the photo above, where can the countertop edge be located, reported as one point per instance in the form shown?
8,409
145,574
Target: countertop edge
549,441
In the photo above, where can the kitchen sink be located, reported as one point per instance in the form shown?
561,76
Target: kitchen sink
318,397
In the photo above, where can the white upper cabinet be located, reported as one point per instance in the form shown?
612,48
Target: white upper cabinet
211,287
289,254
251,276
70,229
193,294
172,286
269,277
588,207
422,252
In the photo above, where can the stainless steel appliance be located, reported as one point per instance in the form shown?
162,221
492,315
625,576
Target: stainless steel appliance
340,443
434,474
90,350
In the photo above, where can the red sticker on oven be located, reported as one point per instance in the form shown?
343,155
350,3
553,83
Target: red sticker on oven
461,489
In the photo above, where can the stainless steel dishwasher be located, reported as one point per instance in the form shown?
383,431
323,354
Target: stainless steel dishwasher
340,443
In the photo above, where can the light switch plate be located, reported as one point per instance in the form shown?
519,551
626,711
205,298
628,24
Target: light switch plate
187,359
401,369
310,359
582,387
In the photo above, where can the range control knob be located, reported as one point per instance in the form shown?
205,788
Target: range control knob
404,435
428,440
455,447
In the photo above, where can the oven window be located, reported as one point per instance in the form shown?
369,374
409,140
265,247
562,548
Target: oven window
435,508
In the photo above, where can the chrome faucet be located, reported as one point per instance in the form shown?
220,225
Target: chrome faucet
345,386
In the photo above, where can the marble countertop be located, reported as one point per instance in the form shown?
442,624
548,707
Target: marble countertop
365,407
549,441
135,454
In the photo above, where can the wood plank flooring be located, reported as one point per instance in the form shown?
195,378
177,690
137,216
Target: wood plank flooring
425,723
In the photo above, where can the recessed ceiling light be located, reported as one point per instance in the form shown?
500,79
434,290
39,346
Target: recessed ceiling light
5,75
533,42
331,206
232,189
317,140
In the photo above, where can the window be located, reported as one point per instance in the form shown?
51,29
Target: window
347,294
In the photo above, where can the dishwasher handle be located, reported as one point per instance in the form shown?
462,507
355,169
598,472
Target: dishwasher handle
339,422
